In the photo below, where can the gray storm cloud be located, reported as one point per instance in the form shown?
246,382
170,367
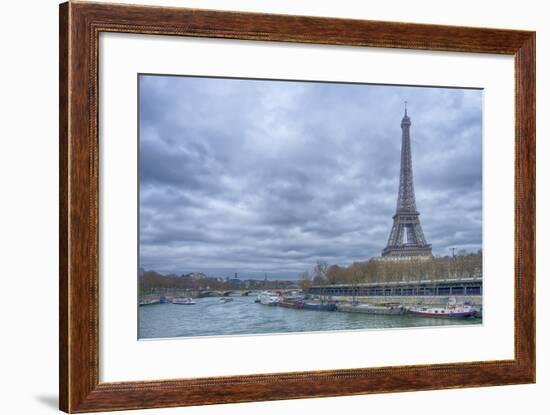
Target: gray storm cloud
255,176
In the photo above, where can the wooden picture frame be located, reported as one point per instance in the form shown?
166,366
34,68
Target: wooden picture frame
80,26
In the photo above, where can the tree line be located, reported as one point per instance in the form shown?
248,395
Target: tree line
377,270
372,271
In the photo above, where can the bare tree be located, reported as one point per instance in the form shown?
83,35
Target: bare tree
320,273
336,274
305,281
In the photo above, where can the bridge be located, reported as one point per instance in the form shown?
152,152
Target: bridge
472,286
224,293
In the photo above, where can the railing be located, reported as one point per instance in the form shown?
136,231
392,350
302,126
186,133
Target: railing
448,287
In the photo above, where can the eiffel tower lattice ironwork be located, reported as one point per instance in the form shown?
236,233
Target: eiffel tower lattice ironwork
406,236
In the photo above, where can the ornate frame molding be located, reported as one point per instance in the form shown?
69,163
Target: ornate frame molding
80,26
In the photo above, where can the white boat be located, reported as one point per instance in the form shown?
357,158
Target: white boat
295,296
269,298
183,301
224,300
451,310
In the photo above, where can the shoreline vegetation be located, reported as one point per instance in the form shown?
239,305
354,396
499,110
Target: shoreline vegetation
375,270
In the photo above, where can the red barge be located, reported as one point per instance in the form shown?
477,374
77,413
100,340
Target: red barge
291,304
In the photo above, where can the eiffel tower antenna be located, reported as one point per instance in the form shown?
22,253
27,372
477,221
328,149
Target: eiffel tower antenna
406,236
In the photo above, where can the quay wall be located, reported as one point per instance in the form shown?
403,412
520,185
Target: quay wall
475,300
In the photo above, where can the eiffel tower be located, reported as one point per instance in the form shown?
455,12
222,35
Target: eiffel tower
406,236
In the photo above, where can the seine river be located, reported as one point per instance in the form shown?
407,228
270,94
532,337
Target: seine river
210,317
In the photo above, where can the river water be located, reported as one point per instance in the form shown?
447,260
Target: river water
210,317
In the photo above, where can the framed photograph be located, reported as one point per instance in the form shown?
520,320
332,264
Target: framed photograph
260,207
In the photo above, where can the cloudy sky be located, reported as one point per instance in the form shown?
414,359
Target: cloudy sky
255,176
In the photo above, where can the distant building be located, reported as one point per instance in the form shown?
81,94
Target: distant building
196,275
235,280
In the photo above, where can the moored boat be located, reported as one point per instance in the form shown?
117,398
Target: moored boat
148,302
451,310
183,301
290,303
372,309
269,298
319,306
